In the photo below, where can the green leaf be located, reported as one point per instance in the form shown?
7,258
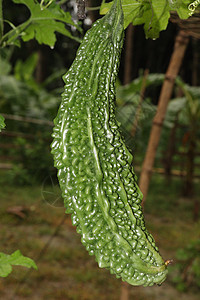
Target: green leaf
17,259
153,14
2,123
157,16
182,8
43,23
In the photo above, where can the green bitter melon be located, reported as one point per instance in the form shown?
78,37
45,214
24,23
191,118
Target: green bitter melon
94,166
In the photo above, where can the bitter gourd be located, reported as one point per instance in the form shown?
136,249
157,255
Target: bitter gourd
94,166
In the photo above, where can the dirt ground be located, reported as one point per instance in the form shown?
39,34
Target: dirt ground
65,270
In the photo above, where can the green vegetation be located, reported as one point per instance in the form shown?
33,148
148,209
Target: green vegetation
153,14
30,81
187,268
46,18
17,259
28,122
2,123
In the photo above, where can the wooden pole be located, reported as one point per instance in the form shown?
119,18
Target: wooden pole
165,95
124,291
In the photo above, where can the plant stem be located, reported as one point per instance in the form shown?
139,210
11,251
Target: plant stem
13,34
93,8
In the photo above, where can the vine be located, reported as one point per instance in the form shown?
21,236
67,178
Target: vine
193,6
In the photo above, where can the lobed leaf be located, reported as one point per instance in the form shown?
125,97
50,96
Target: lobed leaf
43,23
153,14
17,259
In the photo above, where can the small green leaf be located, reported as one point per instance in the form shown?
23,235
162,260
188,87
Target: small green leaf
183,8
158,18
2,123
17,259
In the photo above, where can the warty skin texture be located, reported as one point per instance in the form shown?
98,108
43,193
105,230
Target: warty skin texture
94,166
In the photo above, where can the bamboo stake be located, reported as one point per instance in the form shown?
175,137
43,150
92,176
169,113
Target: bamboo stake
165,95
124,291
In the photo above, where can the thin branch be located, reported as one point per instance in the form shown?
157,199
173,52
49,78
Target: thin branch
27,119
13,34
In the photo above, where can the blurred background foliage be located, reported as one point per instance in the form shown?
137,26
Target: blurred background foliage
30,88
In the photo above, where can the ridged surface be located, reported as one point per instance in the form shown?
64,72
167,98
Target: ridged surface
94,166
